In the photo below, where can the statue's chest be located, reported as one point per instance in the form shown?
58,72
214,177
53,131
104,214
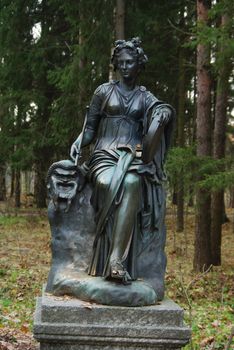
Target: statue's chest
128,105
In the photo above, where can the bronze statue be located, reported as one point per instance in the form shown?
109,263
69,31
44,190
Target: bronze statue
112,252
130,130
120,238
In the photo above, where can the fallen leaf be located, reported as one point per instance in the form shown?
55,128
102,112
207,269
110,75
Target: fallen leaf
216,323
24,328
207,341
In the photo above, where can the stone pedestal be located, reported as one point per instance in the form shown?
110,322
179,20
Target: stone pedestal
70,324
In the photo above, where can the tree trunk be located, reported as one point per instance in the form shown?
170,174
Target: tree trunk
119,30
202,252
12,182
40,186
219,152
82,60
216,226
17,188
231,204
180,130
180,207
120,20
2,183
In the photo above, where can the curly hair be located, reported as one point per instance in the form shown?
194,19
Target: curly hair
134,46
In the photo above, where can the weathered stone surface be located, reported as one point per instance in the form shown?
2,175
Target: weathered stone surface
101,291
72,239
69,324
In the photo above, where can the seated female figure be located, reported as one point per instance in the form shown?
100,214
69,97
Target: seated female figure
127,190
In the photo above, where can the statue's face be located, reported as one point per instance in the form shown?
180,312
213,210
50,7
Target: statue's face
127,65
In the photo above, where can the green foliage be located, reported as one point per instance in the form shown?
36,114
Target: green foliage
158,24
47,81
218,181
12,220
215,35
216,174
15,82
72,42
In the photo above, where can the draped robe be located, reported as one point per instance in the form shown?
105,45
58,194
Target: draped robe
120,121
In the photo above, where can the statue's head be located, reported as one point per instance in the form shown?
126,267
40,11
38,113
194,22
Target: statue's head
64,179
131,47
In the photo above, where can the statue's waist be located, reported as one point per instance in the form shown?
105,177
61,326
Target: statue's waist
118,143
115,131
116,118
123,127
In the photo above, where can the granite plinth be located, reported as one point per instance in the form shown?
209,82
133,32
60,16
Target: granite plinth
71,324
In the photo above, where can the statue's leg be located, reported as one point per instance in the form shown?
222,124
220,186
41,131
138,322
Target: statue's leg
124,219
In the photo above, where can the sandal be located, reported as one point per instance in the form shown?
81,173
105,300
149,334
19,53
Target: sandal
118,272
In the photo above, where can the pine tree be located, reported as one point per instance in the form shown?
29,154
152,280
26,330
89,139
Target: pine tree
202,253
16,84
223,67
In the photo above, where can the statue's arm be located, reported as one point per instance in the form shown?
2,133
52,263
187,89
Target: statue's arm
163,112
159,122
158,109
84,139
91,124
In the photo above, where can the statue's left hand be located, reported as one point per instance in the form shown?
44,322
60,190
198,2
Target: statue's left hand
164,116
75,150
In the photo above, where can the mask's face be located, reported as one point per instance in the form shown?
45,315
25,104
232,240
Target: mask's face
63,185
127,65
65,182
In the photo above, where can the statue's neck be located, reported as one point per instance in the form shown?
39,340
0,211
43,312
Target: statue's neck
127,85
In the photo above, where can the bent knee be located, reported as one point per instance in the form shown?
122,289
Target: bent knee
132,181
103,181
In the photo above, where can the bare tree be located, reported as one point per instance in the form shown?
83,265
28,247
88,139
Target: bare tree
202,253
180,126
219,148
120,20
119,29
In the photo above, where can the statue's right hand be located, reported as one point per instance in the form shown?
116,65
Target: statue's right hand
75,150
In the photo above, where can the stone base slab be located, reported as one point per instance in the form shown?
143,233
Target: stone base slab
101,291
71,324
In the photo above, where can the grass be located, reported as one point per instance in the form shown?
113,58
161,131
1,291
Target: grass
25,259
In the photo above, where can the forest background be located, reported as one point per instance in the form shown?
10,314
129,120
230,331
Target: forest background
55,53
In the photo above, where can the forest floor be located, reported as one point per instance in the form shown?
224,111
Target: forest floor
207,297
